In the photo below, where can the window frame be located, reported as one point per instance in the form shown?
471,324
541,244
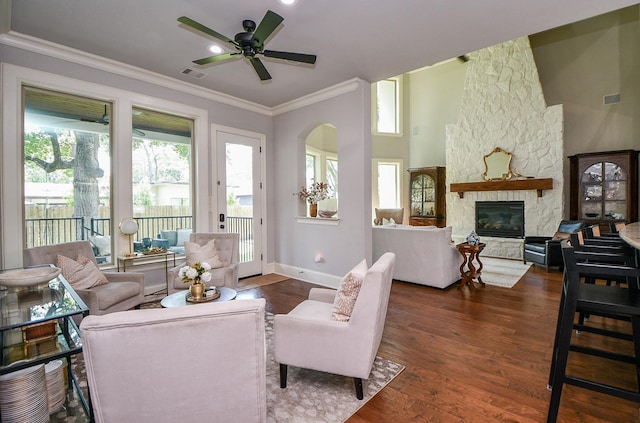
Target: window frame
397,106
13,77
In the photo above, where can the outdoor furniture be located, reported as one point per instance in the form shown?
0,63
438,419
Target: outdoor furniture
310,338
227,246
123,292
205,363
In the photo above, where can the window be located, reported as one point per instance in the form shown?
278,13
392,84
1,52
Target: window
161,172
321,162
387,106
386,184
67,170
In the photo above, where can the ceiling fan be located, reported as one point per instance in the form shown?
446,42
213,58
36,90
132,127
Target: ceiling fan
250,43
104,120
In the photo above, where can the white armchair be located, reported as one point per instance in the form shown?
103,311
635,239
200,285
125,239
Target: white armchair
186,364
308,337
227,245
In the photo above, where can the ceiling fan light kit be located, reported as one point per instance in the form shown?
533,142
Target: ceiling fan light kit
250,43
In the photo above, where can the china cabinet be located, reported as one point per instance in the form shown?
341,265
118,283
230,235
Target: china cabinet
604,187
427,196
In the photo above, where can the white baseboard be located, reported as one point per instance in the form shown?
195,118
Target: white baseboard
306,275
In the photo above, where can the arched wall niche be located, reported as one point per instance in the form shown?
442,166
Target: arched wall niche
320,161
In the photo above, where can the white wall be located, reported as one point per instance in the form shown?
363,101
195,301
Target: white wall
298,240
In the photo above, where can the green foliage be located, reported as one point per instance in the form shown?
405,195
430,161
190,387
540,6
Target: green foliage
231,199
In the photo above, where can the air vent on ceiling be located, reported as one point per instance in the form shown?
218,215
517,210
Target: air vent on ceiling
612,98
193,73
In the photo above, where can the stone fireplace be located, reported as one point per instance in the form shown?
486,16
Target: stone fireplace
503,106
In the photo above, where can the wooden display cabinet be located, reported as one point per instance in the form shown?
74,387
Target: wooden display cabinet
604,187
427,196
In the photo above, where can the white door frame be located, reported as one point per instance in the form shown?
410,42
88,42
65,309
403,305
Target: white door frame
213,189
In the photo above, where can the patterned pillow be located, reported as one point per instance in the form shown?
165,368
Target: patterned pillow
346,297
81,273
196,253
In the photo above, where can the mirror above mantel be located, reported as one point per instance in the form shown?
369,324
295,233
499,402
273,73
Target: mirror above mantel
498,176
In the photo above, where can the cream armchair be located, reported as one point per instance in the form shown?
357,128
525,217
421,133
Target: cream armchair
123,292
227,245
219,376
308,337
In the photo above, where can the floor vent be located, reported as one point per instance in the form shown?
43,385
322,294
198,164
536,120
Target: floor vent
193,73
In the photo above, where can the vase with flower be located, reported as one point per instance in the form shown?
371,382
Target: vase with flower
316,192
198,276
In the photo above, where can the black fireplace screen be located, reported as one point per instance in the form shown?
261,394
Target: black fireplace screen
501,219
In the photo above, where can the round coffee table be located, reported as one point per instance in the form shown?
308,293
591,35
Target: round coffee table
179,299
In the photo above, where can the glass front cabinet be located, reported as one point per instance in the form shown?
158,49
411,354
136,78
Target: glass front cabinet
427,196
604,187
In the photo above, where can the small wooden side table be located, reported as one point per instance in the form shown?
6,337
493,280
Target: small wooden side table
471,274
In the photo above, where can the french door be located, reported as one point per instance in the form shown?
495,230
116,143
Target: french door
238,185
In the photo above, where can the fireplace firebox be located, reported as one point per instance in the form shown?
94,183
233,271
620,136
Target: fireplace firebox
500,219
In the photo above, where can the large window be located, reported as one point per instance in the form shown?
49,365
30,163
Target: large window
67,170
386,184
161,173
387,106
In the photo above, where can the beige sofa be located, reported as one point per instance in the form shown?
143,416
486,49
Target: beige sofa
424,254
205,363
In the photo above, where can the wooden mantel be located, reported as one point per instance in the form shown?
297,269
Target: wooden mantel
506,185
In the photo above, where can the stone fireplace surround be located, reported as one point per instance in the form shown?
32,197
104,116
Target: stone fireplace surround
503,106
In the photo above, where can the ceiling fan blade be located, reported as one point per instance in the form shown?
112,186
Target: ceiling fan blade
295,57
268,24
260,69
199,27
216,58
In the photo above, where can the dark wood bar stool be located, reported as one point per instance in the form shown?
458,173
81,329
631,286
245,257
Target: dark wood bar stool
598,300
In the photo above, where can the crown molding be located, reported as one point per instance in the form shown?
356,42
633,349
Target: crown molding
47,48
324,94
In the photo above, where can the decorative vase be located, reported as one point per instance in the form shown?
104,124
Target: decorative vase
313,210
197,290
473,238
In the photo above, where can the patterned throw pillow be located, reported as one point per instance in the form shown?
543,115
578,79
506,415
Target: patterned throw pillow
197,253
81,273
346,297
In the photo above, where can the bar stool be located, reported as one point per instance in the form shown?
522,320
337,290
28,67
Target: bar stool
594,299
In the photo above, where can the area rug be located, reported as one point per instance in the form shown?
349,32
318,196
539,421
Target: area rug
502,272
310,396
258,281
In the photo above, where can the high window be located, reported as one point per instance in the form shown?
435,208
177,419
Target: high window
386,116
67,170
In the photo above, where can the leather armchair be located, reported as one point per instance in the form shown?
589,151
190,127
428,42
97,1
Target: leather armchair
546,250
186,364
123,292
309,338
228,246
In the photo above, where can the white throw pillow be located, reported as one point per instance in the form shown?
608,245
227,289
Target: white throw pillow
196,253
81,273
348,292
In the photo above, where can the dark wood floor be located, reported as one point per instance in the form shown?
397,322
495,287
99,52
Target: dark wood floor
478,355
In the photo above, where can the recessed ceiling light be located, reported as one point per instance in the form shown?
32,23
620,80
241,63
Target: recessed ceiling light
287,2
215,49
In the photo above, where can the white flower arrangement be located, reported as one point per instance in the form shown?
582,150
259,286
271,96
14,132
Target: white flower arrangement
198,273
316,192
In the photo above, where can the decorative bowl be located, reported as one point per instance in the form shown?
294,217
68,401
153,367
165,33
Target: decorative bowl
28,277
327,213
154,250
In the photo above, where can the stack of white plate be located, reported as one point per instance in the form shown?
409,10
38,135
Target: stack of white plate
56,391
23,396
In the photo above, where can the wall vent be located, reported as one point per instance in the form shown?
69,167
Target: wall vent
612,98
193,73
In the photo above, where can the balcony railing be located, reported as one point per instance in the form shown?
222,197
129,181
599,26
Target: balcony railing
49,231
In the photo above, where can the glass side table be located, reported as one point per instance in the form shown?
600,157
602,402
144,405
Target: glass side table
37,326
